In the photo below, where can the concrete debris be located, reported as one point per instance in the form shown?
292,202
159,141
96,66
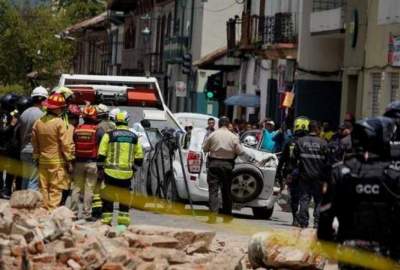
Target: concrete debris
32,238
293,250
26,199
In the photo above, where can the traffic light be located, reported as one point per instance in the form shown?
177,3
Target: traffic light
214,87
187,64
210,94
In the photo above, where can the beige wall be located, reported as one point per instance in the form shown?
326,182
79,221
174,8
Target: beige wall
370,56
213,29
314,52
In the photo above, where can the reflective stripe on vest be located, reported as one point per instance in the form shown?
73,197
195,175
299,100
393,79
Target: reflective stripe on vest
85,141
120,152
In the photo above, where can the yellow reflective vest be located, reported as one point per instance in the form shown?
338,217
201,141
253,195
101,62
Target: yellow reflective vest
120,147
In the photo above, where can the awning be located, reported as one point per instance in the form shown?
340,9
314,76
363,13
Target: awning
243,101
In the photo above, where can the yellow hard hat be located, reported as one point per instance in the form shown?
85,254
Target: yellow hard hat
65,91
122,118
301,124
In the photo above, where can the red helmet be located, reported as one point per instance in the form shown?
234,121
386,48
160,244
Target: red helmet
89,112
55,101
74,110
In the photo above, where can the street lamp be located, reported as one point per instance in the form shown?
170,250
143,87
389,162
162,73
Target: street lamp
146,32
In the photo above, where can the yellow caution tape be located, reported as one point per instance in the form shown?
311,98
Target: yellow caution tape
330,251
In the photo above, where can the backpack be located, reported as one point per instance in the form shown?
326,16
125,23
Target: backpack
85,141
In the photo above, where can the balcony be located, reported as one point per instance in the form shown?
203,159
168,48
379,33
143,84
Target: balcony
327,17
253,32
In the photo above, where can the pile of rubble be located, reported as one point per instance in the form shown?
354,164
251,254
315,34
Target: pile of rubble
33,238
292,249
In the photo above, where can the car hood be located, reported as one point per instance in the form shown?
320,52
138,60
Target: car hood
264,158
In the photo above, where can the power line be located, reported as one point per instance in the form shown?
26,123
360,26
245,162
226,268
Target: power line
225,8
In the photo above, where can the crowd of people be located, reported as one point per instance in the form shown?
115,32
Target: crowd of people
72,152
67,151
352,175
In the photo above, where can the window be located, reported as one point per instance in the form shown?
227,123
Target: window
169,26
394,86
375,93
92,56
388,11
114,46
319,5
130,37
257,71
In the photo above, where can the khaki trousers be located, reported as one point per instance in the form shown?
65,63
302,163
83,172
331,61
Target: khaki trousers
53,179
83,185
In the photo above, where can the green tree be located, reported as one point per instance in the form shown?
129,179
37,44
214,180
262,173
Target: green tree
29,43
79,10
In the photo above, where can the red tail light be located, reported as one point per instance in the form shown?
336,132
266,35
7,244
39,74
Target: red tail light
194,162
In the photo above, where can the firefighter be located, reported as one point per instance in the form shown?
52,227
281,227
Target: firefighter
27,119
119,152
74,114
69,96
106,124
67,93
113,113
287,167
363,194
310,152
86,140
53,149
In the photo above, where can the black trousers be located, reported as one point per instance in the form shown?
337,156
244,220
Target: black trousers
7,185
220,174
124,185
309,189
294,191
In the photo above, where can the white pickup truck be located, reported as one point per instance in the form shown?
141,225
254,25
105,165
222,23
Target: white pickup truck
162,174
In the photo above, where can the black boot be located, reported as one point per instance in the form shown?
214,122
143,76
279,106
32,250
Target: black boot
6,194
295,222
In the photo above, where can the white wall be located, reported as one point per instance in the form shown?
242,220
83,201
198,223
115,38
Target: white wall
266,74
215,15
315,52
388,11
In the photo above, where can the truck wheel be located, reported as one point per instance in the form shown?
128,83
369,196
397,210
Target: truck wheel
246,185
263,212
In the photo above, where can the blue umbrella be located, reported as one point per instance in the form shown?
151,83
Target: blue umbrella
245,100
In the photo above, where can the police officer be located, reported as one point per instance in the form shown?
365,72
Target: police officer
8,122
119,152
223,147
287,167
364,193
310,152
393,111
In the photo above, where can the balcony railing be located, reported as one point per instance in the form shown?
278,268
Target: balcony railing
328,16
253,31
321,5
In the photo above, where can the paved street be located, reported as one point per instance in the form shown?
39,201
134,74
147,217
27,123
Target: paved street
239,231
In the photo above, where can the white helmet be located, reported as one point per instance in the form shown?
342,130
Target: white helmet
102,109
250,141
113,113
40,91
